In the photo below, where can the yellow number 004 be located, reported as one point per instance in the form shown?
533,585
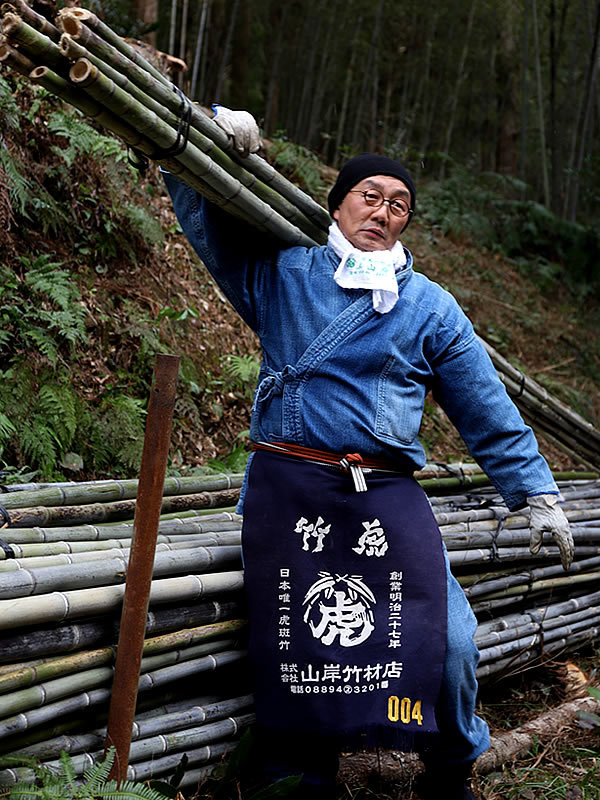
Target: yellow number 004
401,710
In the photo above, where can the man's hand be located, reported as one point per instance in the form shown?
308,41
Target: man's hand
241,127
548,516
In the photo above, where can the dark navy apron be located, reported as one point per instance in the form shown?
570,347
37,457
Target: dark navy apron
347,602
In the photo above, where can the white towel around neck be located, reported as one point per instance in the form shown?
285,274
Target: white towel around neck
368,269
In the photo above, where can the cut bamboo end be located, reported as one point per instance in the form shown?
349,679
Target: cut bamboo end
38,73
83,72
70,24
11,25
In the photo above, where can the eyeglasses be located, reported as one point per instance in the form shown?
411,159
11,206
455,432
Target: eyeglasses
375,199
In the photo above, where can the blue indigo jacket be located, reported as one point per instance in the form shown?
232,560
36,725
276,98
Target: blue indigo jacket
338,376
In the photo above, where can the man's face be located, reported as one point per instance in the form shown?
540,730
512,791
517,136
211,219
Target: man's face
369,228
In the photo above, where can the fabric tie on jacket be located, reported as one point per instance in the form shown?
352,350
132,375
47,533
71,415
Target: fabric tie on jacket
273,383
368,269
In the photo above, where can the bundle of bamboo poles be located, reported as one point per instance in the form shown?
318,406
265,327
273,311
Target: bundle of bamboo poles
544,412
77,57
61,587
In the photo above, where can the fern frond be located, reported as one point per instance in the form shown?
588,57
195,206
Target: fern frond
56,404
7,429
241,370
38,443
96,776
68,770
44,343
10,110
128,790
19,187
24,790
148,227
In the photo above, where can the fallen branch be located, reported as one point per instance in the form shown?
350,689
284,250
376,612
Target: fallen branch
517,743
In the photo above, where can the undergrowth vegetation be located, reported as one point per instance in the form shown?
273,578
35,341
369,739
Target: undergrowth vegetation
63,186
489,210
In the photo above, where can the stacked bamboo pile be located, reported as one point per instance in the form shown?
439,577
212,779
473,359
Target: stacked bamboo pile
61,585
61,589
528,606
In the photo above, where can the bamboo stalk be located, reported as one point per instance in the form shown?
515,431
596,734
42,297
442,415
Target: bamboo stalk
196,755
58,606
116,490
34,19
498,637
497,584
69,701
213,523
538,391
153,747
76,16
66,638
501,651
189,716
60,667
31,582
513,663
460,558
15,59
548,417
541,615
46,555
35,44
121,509
542,585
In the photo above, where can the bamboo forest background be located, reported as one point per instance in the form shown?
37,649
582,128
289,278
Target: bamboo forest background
503,87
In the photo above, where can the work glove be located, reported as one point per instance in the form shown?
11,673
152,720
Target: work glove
548,517
241,128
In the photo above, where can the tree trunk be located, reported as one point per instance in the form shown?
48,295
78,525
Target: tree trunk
172,27
240,67
460,76
198,51
567,107
272,106
358,119
306,98
146,11
226,50
346,96
587,119
524,91
508,91
325,64
204,58
540,97
183,37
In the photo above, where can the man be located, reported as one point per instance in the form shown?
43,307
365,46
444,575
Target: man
359,634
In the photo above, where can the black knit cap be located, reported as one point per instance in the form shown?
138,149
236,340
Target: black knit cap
365,166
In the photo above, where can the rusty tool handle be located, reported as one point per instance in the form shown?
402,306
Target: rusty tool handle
141,561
